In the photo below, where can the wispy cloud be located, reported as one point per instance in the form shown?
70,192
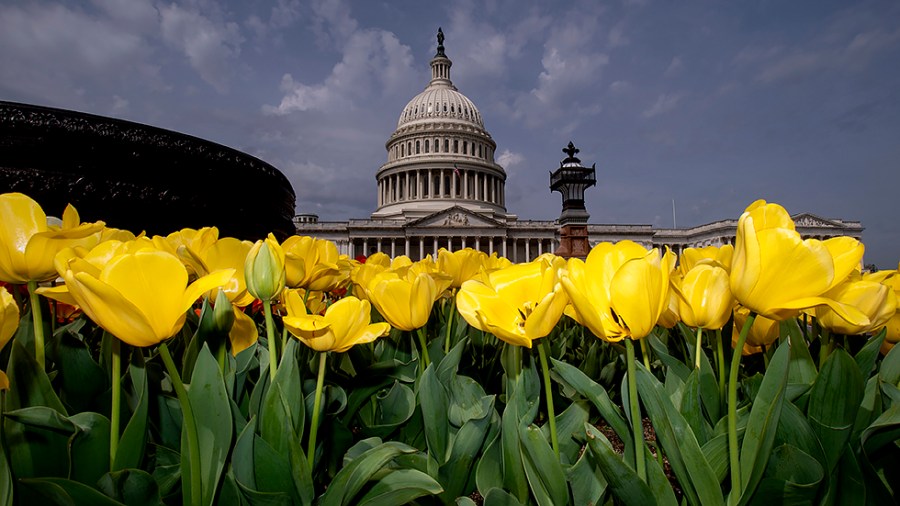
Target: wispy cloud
665,102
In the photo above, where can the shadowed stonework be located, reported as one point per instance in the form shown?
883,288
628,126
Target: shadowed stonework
139,177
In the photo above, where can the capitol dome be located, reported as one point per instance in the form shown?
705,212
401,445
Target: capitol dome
440,156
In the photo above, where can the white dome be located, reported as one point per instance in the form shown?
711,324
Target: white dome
440,101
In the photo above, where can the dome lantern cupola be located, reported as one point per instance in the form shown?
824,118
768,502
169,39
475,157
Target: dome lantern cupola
440,65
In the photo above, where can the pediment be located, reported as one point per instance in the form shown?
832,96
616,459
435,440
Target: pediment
455,217
812,221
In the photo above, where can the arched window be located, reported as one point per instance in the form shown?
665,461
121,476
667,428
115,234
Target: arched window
437,145
446,145
456,146
427,146
402,150
479,151
417,147
445,107
409,148
465,148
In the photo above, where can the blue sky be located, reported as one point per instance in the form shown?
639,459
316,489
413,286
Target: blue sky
712,104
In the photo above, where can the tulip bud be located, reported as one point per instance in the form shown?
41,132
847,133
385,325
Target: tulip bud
223,314
264,269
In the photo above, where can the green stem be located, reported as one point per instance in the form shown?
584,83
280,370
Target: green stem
636,426
645,353
733,451
116,352
699,349
826,347
424,342
220,357
451,316
314,428
38,322
189,424
548,391
720,365
270,335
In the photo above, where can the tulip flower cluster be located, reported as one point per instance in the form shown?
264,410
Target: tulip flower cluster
430,372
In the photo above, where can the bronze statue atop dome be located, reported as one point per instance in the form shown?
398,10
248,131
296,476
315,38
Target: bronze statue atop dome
440,39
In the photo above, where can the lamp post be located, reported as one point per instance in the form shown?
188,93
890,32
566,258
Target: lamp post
570,180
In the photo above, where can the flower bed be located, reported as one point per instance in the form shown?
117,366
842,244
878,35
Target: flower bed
198,369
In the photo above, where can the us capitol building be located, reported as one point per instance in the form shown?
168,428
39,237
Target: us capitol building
441,188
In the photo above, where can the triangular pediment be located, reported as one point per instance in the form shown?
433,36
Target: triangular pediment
455,217
813,221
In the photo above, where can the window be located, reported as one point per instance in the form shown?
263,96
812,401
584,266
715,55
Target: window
446,145
479,151
402,150
417,147
456,146
465,148
437,145
426,145
445,107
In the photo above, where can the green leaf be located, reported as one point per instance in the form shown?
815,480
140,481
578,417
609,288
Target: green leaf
868,355
467,445
869,408
623,481
500,497
794,430
833,403
569,426
6,480
67,492
44,418
130,451
400,487
715,451
351,479
132,487
802,368
83,384
468,400
761,427
489,470
212,414
851,484
434,401
545,475
262,474
792,478
388,410
598,397
692,408
890,367
674,365
89,447
586,481
694,473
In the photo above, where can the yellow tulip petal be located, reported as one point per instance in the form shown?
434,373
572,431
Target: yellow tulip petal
112,311
206,283
58,293
243,332
639,293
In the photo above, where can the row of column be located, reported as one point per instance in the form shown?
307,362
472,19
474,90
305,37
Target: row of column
440,145
441,183
517,250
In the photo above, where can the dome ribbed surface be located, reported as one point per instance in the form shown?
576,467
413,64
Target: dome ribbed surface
440,102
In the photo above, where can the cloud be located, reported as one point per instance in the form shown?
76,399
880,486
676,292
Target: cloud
665,102
332,22
510,160
211,45
374,64
674,68
619,86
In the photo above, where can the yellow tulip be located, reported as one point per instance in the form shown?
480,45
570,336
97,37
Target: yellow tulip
876,300
141,297
243,331
4,381
669,317
692,256
363,274
225,253
763,332
264,269
314,264
9,316
380,259
705,299
404,301
518,304
775,273
461,265
891,279
620,290
28,244
344,324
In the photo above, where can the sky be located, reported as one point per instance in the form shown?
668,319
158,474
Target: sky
709,104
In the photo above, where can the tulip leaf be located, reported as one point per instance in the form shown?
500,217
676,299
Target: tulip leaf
212,410
794,429
262,474
569,426
545,475
586,481
282,417
692,408
624,482
593,392
489,470
468,401
832,416
89,447
761,426
81,379
890,367
792,477
6,480
467,445
131,486
693,471
662,353
434,401
715,452
352,477
44,418
869,408
499,497
130,451
400,487
67,492
868,355
802,369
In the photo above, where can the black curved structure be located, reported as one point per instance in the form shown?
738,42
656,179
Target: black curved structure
139,177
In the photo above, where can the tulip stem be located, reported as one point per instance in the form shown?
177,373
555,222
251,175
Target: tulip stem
733,451
38,322
827,344
636,425
314,428
189,424
645,354
270,336
451,315
424,342
548,391
720,364
116,355
699,349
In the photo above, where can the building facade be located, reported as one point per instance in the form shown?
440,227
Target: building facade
442,188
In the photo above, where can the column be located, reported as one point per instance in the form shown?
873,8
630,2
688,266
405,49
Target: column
435,246
406,246
441,175
463,239
491,247
430,185
453,186
393,247
408,185
421,248
505,240
540,247
419,184
365,250
527,250
465,174
478,243
484,188
352,252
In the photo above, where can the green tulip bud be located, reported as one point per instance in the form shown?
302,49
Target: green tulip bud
223,314
264,269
